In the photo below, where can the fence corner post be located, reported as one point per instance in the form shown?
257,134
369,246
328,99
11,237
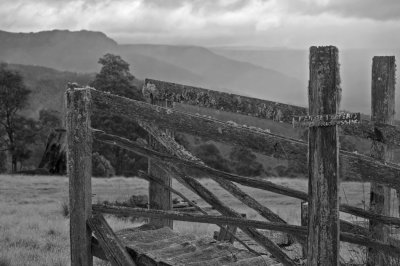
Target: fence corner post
79,169
382,110
323,159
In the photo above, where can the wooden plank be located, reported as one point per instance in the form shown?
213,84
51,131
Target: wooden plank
141,174
378,218
167,91
179,151
168,254
111,245
251,182
174,148
280,112
323,159
200,218
290,229
256,261
354,165
383,109
79,168
213,200
304,222
159,197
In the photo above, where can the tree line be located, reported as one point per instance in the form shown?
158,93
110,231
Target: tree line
20,135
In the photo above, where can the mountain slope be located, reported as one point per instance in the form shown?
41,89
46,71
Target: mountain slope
47,86
355,70
79,51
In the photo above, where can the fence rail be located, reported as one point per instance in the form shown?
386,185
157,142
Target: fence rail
275,111
325,163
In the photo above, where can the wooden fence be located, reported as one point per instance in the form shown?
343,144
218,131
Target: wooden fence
326,161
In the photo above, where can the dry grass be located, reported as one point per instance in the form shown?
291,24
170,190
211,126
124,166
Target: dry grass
34,213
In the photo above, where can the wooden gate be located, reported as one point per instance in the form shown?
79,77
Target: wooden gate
326,161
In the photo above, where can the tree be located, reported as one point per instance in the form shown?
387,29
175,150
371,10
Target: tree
13,97
48,121
114,77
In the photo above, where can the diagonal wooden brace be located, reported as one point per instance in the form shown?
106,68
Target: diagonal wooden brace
326,120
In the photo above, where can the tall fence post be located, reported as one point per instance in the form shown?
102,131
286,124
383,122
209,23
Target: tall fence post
159,197
382,110
323,159
79,168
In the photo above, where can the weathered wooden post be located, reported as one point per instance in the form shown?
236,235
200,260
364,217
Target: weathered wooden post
323,159
304,222
79,168
383,109
159,197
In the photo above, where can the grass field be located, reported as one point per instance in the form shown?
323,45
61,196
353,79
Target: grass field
34,230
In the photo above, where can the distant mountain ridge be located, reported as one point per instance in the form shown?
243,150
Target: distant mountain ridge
191,65
279,74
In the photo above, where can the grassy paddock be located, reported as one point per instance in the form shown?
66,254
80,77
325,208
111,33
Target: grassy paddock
34,229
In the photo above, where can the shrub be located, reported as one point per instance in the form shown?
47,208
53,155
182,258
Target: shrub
244,162
101,167
65,209
210,155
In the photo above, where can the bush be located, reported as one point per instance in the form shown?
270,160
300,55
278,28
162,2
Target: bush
210,155
244,162
65,209
3,162
101,167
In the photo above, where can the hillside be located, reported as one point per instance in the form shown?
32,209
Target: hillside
355,70
47,86
79,52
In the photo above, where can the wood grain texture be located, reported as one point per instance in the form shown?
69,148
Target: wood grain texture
213,200
280,112
112,247
354,165
159,197
246,181
231,235
208,196
382,110
213,219
323,159
165,247
179,151
79,168
304,222
200,218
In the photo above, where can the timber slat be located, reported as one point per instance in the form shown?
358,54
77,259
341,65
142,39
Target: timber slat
179,151
256,261
279,112
166,247
111,245
243,223
246,181
354,165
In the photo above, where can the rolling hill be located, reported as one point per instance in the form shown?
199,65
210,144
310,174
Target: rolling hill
80,51
355,70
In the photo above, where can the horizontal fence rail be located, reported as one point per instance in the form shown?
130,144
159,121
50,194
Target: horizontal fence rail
296,230
280,112
353,165
246,181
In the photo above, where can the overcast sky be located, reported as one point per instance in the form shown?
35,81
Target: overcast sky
264,23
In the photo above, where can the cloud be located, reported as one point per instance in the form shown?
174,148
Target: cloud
381,10
293,23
